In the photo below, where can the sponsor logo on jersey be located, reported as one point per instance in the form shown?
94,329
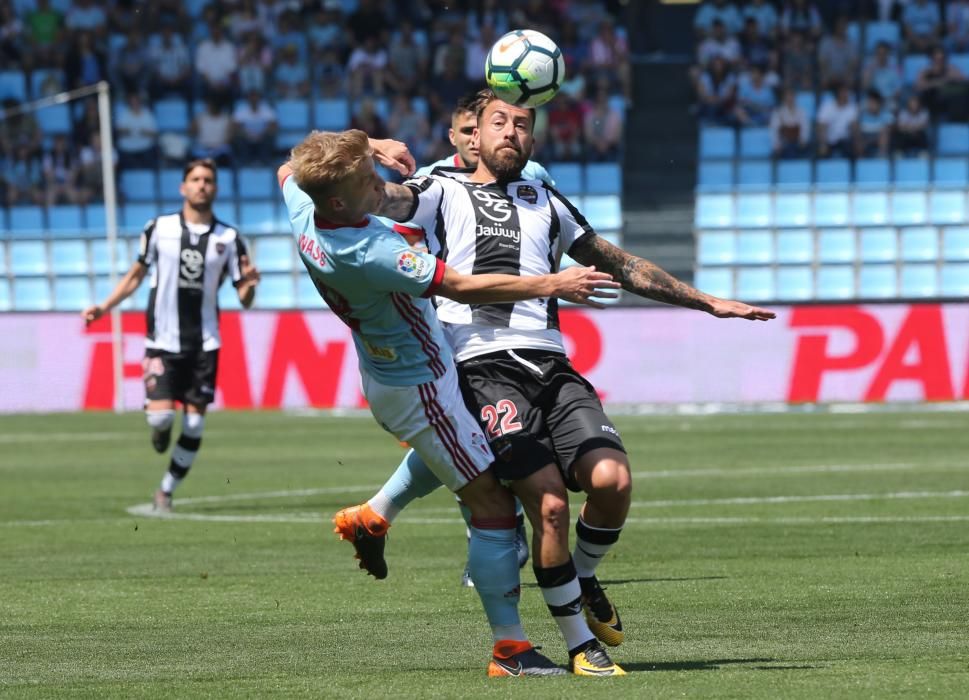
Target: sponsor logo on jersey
191,268
527,193
411,264
379,353
494,205
610,429
499,232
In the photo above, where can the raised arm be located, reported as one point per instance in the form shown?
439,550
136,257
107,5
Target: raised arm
645,279
575,284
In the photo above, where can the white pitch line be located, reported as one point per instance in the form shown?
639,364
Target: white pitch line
17,438
771,500
776,471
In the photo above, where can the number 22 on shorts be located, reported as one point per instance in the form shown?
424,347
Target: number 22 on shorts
501,418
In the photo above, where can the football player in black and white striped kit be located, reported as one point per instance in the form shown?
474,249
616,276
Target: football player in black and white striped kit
189,254
544,420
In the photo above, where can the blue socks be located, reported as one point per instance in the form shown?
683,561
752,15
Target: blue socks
411,480
493,563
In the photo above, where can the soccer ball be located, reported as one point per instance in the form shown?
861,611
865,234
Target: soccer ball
525,68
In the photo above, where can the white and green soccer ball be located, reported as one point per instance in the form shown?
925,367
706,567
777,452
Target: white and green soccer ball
525,68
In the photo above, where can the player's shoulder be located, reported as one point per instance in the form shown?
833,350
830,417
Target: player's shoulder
226,230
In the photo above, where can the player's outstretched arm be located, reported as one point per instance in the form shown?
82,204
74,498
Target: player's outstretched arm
576,284
126,287
641,277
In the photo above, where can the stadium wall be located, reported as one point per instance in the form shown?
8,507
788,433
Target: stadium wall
292,359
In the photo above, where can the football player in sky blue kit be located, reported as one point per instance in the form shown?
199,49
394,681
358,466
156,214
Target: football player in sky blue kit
380,287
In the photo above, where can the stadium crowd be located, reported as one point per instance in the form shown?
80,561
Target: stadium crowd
402,65
848,78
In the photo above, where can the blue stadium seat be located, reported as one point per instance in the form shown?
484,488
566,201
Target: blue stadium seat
755,283
170,179
755,142
13,84
68,257
854,34
834,174
276,291
808,102
101,258
754,175
419,105
603,178
716,247
920,243
947,207
717,142
139,185
4,224
954,280
55,119
835,282
792,209
795,246
195,7
869,208
831,209
306,295
31,294
795,283
953,140
912,65
274,253
955,243
293,115
71,293
754,210
603,212
331,114
94,221
717,281
714,211
40,76
715,176
872,173
909,208
171,114
877,281
28,258
256,183
919,280
5,302
836,245
877,32
135,216
754,247
911,173
65,219
229,297
879,245
3,259
793,175
950,172
227,186
27,219
260,217
960,61
286,140
568,178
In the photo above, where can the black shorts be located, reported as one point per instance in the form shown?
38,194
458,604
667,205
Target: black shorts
188,377
535,415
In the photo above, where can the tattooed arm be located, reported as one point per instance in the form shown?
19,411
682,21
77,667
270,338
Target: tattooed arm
645,279
399,202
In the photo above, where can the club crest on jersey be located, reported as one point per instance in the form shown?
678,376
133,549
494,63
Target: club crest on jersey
527,193
220,248
411,264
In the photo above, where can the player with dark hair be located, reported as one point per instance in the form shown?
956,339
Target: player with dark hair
189,253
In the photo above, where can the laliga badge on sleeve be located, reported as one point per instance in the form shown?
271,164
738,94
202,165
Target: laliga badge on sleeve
411,264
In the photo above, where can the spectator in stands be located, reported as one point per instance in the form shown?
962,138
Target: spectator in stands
216,63
291,78
755,46
490,12
171,65
755,98
18,129
167,12
603,128
837,57
912,128
255,61
44,27
137,134
367,120
941,86
327,28
131,62
609,59
718,43
212,133
60,173
90,179
790,128
797,63
409,125
957,23
445,90
836,124
540,15
565,127
367,67
24,178
86,16
290,33
369,20
717,92
874,128
85,64
801,17
716,10
407,61
477,52
51,82
86,123
12,37
254,126
330,75
921,25
883,74
762,12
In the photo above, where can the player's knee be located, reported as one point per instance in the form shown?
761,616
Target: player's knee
161,419
193,424
486,498
610,480
555,516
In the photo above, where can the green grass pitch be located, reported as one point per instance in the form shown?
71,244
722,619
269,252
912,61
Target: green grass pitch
766,556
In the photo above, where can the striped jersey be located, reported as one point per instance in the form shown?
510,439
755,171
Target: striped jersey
518,228
188,263
531,171
379,286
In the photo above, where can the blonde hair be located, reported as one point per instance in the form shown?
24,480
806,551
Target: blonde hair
324,161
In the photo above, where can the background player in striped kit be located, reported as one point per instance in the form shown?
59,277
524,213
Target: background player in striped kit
189,253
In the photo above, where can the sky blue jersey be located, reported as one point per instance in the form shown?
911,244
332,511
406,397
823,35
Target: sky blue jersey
531,171
379,286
